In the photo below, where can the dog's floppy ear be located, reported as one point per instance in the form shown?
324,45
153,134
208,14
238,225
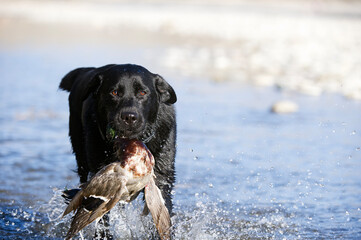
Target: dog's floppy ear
165,91
96,80
69,79
93,86
90,77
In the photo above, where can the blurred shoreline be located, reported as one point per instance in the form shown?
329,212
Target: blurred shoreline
304,46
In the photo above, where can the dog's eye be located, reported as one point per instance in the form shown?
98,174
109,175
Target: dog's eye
115,92
142,93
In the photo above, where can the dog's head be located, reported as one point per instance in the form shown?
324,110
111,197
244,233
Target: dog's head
128,98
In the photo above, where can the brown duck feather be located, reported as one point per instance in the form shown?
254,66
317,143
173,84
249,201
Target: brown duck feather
156,206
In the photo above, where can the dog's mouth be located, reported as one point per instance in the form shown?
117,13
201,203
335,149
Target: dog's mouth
112,134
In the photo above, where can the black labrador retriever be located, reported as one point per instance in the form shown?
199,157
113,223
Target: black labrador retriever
121,101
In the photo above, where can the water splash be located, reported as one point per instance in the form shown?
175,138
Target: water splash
204,220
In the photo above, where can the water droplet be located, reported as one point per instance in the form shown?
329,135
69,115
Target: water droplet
353,132
210,185
358,149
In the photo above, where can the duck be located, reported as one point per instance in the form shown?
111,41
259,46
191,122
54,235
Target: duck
119,181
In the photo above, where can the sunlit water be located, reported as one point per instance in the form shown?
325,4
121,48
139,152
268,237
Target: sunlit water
242,172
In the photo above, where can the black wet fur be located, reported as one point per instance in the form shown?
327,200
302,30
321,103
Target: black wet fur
112,96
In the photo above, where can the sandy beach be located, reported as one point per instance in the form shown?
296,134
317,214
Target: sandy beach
304,46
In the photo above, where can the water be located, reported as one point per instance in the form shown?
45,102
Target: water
242,172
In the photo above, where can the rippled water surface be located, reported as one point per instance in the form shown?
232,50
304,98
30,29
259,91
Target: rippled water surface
242,172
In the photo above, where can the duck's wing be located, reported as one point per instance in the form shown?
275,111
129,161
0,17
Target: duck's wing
96,198
75,203
156,206
69,194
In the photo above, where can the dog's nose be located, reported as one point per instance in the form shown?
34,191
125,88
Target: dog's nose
129,118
